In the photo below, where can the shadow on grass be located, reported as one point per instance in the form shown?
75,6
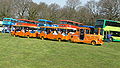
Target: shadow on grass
89,44
58,41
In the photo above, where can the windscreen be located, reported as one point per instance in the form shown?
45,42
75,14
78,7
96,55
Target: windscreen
99,24
95,30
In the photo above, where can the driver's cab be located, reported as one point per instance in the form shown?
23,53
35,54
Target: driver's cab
86,35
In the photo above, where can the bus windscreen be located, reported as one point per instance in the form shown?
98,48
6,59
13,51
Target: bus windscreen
99,24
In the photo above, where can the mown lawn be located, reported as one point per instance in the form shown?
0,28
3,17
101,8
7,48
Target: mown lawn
18,52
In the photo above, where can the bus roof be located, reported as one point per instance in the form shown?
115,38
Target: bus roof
14,19
72,21
87,26
109,20
44,20
11,19
57,27
28,20
8,18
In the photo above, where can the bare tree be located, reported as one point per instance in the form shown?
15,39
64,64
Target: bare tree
69,10
73,3
84,15
43,10
93,11
6,8
33,11
110,9
54,11
21,7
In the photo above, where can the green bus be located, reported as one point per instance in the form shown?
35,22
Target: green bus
109,27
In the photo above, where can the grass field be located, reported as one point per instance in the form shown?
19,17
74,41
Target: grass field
18,52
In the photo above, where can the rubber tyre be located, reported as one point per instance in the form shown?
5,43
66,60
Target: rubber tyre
111,39
28,37
42,38
59,40
14,35
93,43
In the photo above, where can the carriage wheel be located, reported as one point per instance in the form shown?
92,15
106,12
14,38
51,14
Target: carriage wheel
93,43
59,40
42,38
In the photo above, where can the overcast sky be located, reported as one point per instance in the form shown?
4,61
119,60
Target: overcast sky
60,2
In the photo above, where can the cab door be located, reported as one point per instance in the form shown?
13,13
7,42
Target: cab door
106,35
82,34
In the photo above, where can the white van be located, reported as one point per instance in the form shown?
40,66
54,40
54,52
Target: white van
1,28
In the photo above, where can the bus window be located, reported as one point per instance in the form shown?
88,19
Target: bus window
6,20
115,33
31,22
70,23
14,21
63,22
109,23
76,24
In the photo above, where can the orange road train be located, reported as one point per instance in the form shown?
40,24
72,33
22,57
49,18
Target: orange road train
80,34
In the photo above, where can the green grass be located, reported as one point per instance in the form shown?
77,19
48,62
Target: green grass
18,52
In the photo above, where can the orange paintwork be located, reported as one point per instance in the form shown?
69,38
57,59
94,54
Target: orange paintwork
60,36
42,34
13,33
33,34
24,34
19,33
52,36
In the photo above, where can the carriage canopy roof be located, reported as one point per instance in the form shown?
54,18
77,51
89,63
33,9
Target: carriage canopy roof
44,20
71,21
28,20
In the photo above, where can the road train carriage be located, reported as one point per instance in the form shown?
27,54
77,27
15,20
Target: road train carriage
25,31
58,33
